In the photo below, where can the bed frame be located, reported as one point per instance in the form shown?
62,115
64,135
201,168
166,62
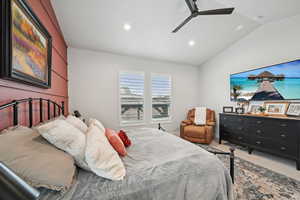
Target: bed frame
231,154
57,109
61,110
17,187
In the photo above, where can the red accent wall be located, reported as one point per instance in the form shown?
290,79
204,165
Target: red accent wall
59,90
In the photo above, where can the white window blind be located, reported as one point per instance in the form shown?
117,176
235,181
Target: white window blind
131,97
161,97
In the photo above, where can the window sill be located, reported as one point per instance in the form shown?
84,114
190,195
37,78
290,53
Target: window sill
132,124
161,121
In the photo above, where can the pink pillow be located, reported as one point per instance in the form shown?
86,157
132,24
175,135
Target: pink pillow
115,141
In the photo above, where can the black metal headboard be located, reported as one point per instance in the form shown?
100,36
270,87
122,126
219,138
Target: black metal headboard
15,105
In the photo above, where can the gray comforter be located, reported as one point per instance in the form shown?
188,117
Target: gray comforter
159,166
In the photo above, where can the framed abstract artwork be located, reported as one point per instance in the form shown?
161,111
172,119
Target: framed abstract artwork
26,47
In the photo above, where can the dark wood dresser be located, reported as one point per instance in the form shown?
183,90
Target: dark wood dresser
279,136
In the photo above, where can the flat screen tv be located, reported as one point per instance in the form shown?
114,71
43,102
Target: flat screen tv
276,82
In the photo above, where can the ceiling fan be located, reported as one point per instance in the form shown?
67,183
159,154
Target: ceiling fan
195,13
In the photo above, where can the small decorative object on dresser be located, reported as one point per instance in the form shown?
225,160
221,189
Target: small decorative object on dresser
227,109
276,108
239,110
262,109
294,109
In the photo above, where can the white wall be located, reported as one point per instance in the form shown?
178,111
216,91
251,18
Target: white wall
272,43
93,85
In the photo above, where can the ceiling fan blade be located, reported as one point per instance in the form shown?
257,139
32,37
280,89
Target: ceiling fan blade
223,11
183,23
192,5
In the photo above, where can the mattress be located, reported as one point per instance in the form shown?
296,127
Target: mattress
159,166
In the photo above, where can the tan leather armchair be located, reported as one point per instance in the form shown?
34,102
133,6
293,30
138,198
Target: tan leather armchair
200,134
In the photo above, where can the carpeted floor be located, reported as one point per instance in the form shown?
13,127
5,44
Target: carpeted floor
253,182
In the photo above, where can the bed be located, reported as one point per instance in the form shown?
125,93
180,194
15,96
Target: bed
159,166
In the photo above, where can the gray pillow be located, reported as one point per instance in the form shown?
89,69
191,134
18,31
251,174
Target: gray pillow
35,160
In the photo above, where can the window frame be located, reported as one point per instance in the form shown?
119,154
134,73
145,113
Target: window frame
129,123
170,118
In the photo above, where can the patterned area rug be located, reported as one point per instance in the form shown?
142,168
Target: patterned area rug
253,182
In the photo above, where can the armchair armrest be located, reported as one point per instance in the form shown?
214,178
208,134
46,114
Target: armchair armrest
186,122
211,123
183,124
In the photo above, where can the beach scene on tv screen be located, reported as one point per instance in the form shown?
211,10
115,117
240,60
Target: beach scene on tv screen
278,82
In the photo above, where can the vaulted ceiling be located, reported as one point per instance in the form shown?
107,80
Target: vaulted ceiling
99,25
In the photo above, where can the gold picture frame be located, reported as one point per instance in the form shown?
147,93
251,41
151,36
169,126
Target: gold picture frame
276,108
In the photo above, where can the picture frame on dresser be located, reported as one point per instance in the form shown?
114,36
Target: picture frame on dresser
276,108
228,109
254,107
26,47
293,109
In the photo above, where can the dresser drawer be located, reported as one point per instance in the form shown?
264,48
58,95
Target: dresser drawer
240,138
257,121
281,136
231,119
276,147
286,127
281,132
233,128
232,124
273,123
285,149
238,129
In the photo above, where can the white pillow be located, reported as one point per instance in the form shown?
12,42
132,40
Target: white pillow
77,123
97,123
67,138
102,159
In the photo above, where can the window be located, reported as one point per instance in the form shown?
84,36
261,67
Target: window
161,97
131,97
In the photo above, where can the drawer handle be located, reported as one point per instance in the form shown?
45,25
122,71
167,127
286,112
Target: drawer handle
283,135
240,138
258,131
224,118
259,122
258,142
283,125
282,148
225,126
240,128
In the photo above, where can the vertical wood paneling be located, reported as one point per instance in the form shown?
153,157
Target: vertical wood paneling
59,90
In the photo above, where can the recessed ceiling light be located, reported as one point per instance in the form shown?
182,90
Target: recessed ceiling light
127,27
240,27
192,43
